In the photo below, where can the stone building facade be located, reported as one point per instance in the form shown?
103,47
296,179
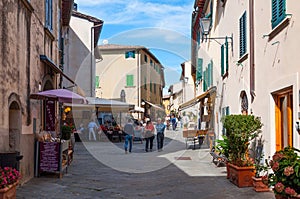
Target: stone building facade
30,62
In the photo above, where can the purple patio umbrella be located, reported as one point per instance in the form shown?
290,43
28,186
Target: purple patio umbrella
61,95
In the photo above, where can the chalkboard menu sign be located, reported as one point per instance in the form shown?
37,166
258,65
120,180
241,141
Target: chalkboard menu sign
49,156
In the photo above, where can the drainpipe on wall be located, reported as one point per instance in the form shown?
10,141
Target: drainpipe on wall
92,60
252,61
138,80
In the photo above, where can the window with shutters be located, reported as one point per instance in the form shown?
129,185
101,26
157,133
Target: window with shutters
278,12
129,80
224,59
130,54
243,34
145,58
204,80
199,70
97,81
48,14
225,111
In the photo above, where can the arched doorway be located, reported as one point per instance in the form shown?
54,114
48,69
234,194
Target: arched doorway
244,103
14,126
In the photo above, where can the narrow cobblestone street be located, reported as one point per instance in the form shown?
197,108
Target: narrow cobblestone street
173,173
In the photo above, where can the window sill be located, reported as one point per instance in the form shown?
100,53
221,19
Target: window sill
243,58
279,28
49,33
130,86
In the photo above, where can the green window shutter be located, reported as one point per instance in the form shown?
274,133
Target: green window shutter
227,110
154,85
222,60
278,12
243,31
199,70
205,80
150,86
226,55
209,75
145,82
129,80
97,81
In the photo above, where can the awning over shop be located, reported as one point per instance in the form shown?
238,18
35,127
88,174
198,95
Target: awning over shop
104,105
52,65
195,100
154,106
61,95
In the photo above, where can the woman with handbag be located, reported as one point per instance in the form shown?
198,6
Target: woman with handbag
149,135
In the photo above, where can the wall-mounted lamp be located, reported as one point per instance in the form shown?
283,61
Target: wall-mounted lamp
298,127
205,25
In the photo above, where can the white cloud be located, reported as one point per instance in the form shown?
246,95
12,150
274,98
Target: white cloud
141,13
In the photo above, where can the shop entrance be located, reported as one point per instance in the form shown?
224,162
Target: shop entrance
284,118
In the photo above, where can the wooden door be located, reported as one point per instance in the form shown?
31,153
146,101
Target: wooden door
284,119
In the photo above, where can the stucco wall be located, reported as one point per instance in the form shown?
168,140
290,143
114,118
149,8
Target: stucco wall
22,41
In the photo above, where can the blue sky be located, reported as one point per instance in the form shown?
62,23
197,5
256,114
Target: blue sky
163,26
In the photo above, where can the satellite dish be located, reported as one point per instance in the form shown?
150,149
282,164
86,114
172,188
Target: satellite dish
105,41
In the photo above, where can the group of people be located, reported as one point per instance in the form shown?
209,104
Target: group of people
148,134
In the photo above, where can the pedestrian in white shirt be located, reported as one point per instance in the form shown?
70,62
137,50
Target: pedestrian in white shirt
92,125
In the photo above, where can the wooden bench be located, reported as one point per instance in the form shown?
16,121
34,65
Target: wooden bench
218,159
193,136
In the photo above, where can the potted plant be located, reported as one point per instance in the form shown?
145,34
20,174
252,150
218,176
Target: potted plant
222,148
260,179
285,178
66,132
240,130
9,178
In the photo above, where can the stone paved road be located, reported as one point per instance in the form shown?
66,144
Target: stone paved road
110,173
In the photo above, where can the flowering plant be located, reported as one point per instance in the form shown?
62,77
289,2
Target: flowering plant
286,177
8,176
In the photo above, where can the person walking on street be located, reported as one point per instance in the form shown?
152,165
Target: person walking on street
92,126
174,122
149,135
129,133
160,129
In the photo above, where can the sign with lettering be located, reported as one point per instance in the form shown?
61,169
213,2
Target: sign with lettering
49,156
50,116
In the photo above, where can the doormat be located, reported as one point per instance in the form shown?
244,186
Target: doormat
183,158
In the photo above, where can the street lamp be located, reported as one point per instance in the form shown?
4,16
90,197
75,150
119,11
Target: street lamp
205,25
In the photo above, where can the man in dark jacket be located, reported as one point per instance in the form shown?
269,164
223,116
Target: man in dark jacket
129,132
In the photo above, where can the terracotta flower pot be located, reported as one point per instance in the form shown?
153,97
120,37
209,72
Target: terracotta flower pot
241,176
9,192
259,186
